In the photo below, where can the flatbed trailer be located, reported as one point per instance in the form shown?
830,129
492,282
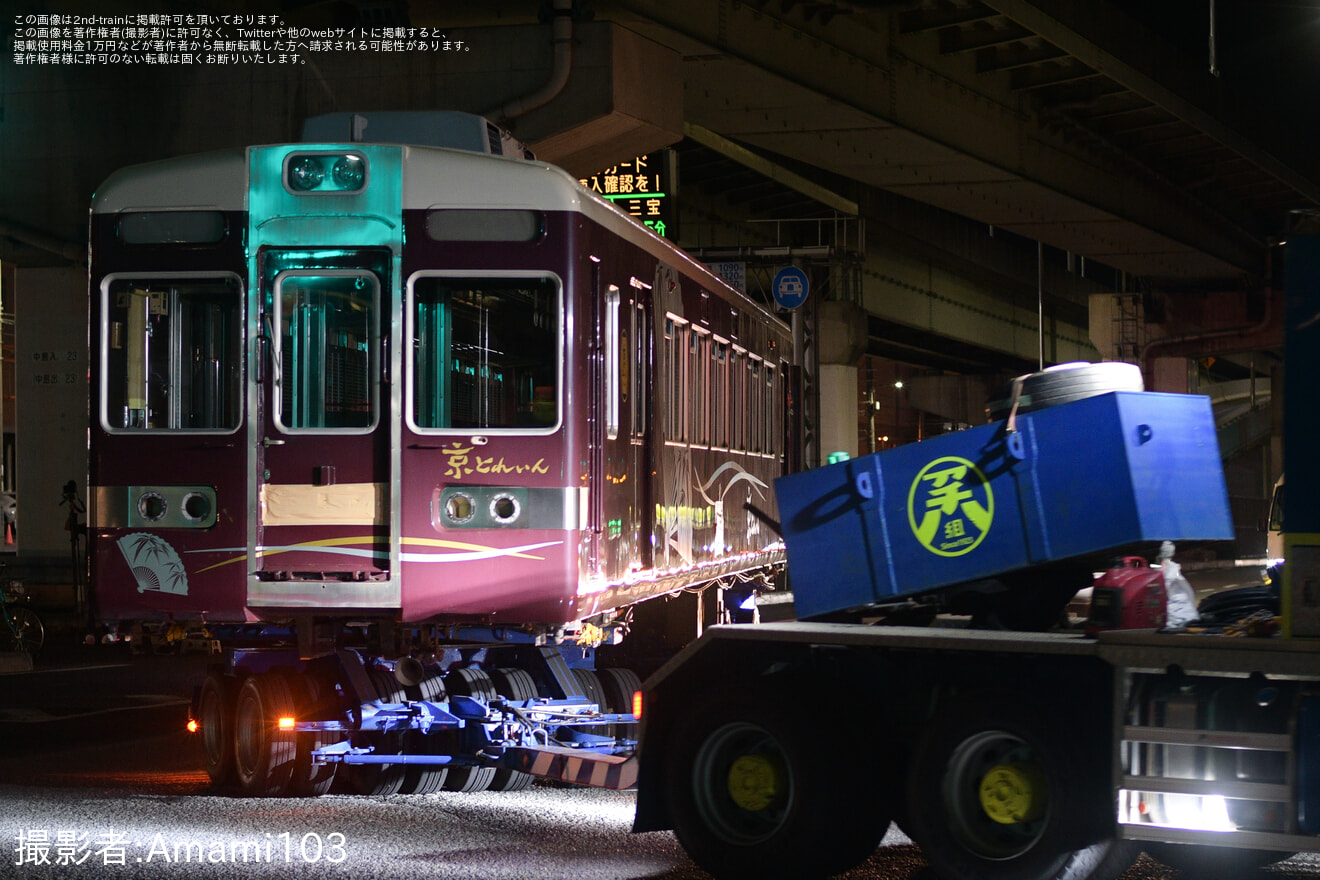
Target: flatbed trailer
1003,754
1007,755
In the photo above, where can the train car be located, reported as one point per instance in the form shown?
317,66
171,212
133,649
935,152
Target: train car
413,385
446,415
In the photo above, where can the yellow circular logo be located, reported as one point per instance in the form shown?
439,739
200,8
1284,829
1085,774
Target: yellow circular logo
950,506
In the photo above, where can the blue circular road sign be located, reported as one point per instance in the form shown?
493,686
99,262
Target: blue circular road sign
790,287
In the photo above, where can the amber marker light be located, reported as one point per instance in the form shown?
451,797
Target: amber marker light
285,723
193,726
637,705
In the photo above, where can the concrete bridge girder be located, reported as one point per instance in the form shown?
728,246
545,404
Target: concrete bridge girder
887,109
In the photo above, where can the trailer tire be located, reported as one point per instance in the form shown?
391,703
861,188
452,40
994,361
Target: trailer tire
381,779
421,778
753,793
470,682
1213,862
1025,828
591,686
515,684
309,779
264,755
215,707
620,685
594,690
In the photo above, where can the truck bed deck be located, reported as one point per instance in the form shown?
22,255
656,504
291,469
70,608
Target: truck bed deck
1136,650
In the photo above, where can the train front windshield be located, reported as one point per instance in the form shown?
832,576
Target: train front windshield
485,352
173,349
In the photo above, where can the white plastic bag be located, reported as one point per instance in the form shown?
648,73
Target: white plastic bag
1182,600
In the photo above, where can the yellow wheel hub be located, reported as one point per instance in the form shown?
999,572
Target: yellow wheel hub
1012,793
755,782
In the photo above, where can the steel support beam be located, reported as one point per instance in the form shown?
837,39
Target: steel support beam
763,166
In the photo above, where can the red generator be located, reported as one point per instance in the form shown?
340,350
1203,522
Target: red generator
1130,595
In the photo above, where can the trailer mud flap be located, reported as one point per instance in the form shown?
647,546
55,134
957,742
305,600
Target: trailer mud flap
614,772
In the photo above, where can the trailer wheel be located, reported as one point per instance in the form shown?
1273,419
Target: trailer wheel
515,684
753,793
422,778
381,779
995,793
619,686
216,708
470,682
309,779
1212,862
594,691
592,688
264,755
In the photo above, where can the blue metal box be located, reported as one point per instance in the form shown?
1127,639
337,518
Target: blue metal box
1077,479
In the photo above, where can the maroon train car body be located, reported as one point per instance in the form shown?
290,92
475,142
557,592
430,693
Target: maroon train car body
416,384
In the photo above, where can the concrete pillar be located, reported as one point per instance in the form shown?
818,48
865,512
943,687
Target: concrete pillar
841,334
838,410
1169,374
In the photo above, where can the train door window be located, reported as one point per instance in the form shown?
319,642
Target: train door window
755,406
173,353
738,400
769,446
326,350
676,380
698,387
640,373
485,352
719,392
613,385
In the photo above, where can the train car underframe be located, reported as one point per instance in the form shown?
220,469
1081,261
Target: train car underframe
457,708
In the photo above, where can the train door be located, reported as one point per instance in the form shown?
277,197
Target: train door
324,475
637,352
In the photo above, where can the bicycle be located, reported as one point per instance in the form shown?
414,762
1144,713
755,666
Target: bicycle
21,628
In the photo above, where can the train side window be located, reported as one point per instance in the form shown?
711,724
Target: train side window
328,331
173,353
771,445
613,384
719,392
757,408
676,379
698,388
485,352
738,400
640,373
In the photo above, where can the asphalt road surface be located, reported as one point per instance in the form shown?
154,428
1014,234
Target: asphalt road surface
140,808
97,779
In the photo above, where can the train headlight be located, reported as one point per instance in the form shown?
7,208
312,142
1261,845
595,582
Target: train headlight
152,506
459,508
306,173
504,509
349,173
196,507
325,173
172,507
